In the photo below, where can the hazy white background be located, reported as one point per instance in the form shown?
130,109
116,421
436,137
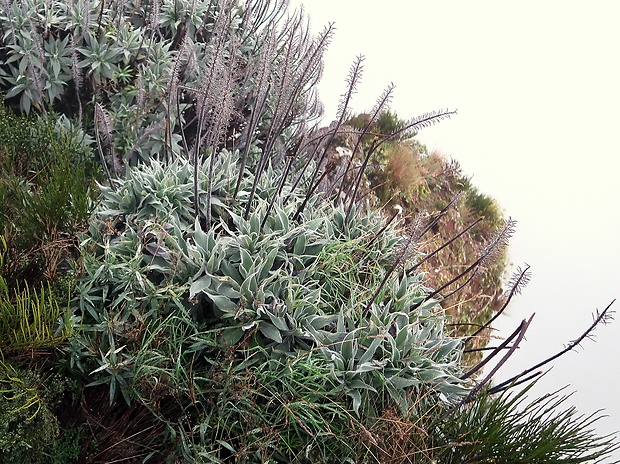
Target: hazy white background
535,84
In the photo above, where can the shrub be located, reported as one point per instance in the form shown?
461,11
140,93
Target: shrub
28,403
171,311
45,166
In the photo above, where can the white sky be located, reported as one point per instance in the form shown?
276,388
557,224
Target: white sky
536,87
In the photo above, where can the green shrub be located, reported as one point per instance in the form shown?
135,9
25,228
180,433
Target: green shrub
164,302
46,166
29,428
24,146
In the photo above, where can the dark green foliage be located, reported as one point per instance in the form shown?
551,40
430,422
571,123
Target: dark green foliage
478,204
389,123
24,148
45,192
385,124
29,402
512,429
67,448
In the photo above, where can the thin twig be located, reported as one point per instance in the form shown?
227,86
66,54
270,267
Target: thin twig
456,237
520,279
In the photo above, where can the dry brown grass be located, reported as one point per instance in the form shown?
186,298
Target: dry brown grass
117,433
424,183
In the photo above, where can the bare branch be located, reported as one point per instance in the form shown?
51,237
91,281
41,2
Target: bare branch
103,124
603,317
448,243
380,105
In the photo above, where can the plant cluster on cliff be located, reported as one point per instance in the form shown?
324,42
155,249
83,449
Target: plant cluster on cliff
405,177
229,297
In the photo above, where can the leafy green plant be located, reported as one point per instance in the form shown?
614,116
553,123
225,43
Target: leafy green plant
129,58
46,168
154,283
29,428
67,448
24,148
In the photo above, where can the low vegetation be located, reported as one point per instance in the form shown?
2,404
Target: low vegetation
185,276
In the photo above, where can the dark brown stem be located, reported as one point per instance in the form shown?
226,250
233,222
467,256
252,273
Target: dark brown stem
519,333
456,237
602,317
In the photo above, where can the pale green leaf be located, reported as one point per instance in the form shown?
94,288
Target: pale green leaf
300,245
223,303
270,332
199,285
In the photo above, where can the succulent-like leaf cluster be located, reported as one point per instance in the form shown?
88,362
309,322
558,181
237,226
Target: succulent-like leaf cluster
273,281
